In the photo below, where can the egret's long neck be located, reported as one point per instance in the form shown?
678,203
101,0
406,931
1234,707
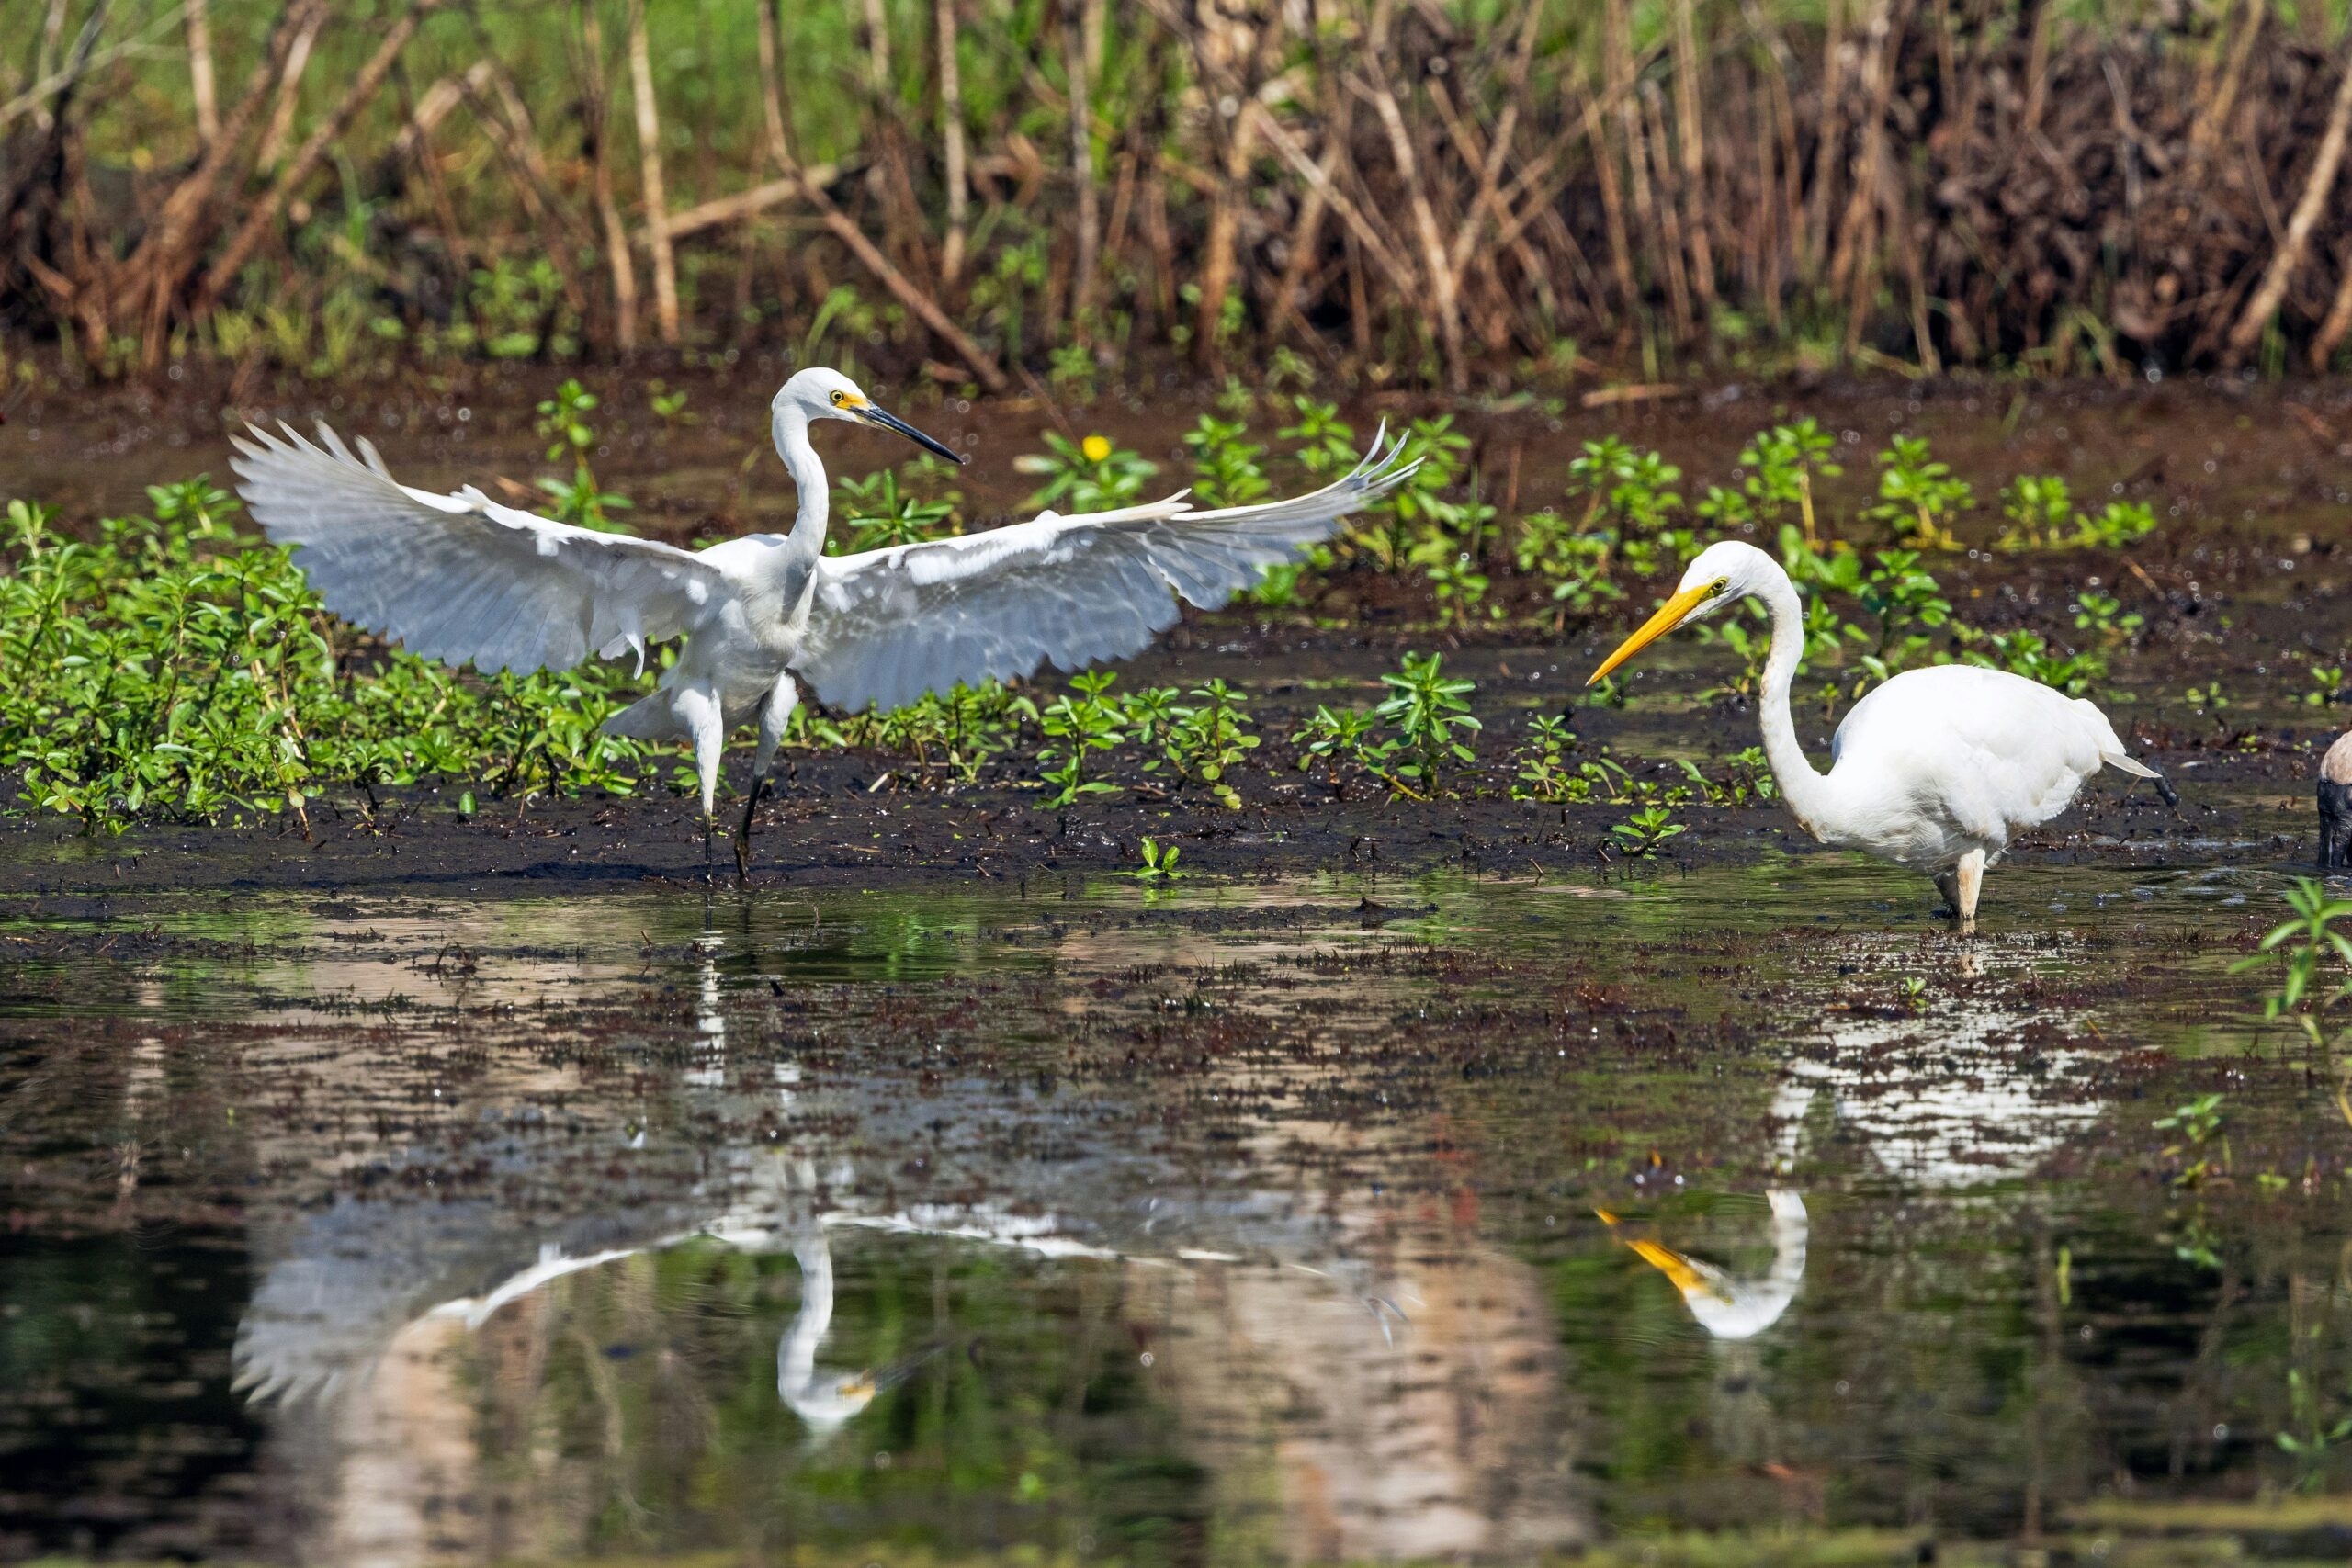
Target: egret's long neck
790,428
1806,791
796,1353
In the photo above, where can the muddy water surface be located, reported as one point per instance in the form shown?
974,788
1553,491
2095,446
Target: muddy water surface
1314,1221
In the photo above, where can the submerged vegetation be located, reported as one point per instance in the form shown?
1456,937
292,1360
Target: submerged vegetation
1442,193
172,666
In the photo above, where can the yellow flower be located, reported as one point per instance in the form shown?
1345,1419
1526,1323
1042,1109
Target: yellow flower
1096,447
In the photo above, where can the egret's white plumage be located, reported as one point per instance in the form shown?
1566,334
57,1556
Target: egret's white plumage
461,576
1934,770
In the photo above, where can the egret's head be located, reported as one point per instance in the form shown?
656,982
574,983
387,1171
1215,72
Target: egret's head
1721,573
829,1401
818,393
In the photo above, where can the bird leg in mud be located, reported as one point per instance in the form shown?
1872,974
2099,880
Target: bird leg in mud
743,837
774,715
1968,878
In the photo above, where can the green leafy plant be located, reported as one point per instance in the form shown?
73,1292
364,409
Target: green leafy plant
1424,504
1158,862
2105,615
1542,771
879,514
2295,950
2116,524
564,423
2027,653
1073,372
1575,561
1204,741
1780,466
1345,736
2310,1446
1644,832
173,668
1084,722
1459,587
1431,719
2040,511
1089,474
1226,468
1325,444
1918,494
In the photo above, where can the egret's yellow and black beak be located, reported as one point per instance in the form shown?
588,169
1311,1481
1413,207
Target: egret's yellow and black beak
1671,614
884,420
1666,1260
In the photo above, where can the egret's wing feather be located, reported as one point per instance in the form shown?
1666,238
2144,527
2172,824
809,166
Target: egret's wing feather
1995,751
460,577
887,625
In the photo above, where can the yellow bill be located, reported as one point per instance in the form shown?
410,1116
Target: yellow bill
1669,615
1676,1267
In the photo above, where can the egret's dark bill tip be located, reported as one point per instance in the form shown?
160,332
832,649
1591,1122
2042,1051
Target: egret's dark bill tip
889,421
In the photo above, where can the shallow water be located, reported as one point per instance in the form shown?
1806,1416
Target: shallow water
1310,1221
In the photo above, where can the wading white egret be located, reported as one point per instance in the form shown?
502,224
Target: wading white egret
1933,769
461,576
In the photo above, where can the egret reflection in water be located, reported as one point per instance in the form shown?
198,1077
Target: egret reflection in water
1369,1381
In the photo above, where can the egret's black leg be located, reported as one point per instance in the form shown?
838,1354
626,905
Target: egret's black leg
774,713
743,839
709,824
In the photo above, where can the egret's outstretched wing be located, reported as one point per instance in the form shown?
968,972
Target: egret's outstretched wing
460,577
885,626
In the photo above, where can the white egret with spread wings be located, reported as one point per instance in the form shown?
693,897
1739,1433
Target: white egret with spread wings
462,578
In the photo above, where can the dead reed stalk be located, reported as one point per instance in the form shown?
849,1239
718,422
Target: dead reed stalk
1405,189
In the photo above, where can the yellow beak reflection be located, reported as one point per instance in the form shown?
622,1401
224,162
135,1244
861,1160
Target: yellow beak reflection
1669,615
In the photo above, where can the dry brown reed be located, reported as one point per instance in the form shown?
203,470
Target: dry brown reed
1415,190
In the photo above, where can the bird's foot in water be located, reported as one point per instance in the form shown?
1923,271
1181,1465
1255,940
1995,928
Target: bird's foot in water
742,858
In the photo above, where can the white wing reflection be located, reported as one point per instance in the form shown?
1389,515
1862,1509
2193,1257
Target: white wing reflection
1386,1369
